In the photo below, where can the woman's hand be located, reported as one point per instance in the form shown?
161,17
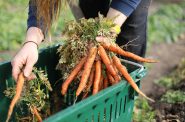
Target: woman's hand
27,56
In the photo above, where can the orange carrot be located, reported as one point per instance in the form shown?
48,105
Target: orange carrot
34,110
101,83
105,82
91,79
19,86
70,78
110,78
85,95
118,50
116,70
107,62
97,77
87,68
124,72
89,84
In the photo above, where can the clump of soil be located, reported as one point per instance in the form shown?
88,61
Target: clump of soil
170,96
167,112
170,112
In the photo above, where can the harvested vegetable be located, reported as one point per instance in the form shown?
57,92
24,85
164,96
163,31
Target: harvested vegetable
80,40
116,49
107,62
72,76
105,83
89,84
32,94
87,69
125,73
19,87
97,77
36,113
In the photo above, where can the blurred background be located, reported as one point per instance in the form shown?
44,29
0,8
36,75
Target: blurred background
165,81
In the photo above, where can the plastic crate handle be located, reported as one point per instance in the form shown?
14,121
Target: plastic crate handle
135,64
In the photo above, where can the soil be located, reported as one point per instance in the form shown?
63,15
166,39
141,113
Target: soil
166,112
169,56
170,112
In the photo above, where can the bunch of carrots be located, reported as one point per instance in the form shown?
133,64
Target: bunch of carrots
98,66
100,70
30,93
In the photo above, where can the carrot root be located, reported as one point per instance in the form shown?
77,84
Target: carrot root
87,68
110,78
91,79
89,84
101,82
124,72
117,72
120,51
35,111
19,86
97,77
105,82
70,78
107,62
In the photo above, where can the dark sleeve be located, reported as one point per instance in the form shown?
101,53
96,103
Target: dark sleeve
32,19
125,6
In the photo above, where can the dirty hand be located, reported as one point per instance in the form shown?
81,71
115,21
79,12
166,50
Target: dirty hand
27,56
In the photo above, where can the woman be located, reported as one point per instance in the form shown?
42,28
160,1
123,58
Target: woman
131,17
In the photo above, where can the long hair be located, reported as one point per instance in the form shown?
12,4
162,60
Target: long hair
47,12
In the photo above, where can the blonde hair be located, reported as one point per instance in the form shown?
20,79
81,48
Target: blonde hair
47,12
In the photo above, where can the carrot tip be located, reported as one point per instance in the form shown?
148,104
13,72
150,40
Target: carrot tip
152,61
150,99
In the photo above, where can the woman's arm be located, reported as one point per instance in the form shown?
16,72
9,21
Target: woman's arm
27,56
34,32
121,9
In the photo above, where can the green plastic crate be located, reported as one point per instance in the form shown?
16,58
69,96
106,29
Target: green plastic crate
114,104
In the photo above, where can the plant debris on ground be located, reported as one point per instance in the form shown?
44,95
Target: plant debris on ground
169,97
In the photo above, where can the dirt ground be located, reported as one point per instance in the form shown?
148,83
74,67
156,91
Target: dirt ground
169,56
168,112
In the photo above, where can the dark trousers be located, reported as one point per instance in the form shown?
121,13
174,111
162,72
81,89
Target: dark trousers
133,31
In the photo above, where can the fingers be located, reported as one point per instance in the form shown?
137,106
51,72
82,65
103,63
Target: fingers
101,39
28,68
16,69
24,60
31,77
